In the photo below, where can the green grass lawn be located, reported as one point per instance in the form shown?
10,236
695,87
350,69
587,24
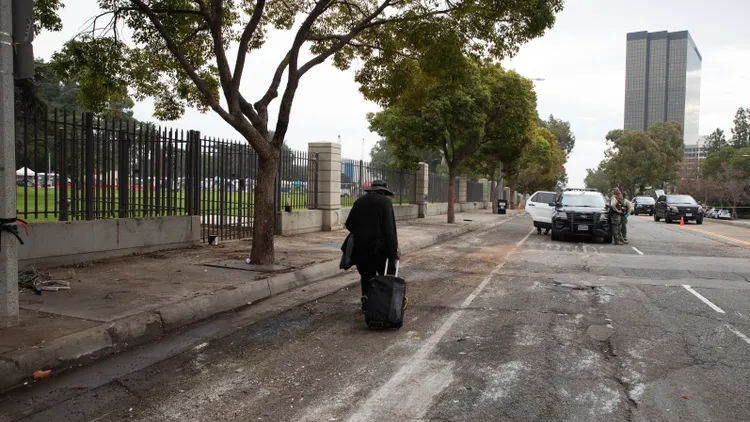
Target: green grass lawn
33,202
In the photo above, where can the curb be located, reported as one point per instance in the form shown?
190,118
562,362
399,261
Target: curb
77,348
729,223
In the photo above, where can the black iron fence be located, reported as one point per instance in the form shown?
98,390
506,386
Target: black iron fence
226,175
437,188
474,191
298,181
80,166
357,176
77,166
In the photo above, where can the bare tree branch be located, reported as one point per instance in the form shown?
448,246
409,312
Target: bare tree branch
273,89
285,108
247,35
199,82
364,24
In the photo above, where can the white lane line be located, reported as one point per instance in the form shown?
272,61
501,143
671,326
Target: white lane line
738,333
378,401
703,299
636,249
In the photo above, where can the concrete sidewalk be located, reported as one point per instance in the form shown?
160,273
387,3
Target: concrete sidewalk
119,303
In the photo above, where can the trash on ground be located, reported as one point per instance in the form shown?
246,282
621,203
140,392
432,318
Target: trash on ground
38,375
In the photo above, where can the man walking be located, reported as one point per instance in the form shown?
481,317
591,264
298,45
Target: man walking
617,212
373,225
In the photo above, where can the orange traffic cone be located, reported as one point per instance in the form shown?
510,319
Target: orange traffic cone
682,221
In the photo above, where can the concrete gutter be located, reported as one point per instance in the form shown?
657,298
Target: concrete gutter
78,348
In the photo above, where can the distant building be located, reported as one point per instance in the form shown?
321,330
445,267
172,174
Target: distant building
694,151
662,81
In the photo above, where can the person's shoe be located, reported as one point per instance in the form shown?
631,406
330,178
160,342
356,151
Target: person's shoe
625,242
618,243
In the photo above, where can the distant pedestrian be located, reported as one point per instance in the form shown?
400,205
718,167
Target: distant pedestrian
617,214
624,221
373,225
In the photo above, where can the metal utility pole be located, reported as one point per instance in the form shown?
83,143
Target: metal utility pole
8,242
16,35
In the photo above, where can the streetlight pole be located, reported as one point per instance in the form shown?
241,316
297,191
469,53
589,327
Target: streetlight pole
8,245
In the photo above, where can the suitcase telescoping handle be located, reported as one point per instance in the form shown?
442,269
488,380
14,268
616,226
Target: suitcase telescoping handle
386,268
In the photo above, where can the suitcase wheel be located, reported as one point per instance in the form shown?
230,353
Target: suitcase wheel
406,302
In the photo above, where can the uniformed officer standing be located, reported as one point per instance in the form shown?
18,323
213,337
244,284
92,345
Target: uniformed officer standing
617,214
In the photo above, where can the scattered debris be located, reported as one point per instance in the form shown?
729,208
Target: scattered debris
200,346
38,375
684,397
40,282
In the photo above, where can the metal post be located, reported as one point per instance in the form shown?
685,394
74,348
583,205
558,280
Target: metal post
123,174
89,179
8,245
197,172
360,188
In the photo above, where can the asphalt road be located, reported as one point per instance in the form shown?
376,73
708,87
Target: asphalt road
502,325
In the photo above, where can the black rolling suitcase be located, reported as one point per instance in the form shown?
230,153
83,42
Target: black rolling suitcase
386,301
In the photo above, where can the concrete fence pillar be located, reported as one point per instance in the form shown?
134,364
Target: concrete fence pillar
328,182
485,193
422,189
506,194
462,193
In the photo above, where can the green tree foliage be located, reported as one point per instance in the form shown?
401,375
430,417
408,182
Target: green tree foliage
715,142
741,129
561,129
47,16
637,159
541,163
178,55
468,113
727,173
446,115
598,179
384,155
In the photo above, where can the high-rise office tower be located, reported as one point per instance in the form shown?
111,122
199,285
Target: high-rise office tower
663,81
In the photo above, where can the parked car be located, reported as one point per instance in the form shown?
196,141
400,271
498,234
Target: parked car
581,212
541,206
643,205
710,213
724,215
675,207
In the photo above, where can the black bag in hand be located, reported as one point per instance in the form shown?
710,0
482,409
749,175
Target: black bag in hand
386,301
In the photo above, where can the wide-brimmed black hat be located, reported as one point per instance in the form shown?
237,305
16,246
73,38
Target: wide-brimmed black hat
379,186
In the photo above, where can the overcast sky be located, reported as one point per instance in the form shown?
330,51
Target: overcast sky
582,60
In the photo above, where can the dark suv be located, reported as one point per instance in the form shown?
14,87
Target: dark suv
581,213
673,207
643,205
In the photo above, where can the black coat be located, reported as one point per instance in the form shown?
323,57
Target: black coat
373,224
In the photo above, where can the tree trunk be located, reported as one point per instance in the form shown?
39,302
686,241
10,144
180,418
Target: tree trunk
265,211
451,195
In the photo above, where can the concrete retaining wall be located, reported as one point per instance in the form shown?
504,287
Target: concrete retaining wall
58,243
301,221
437,209
309,221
